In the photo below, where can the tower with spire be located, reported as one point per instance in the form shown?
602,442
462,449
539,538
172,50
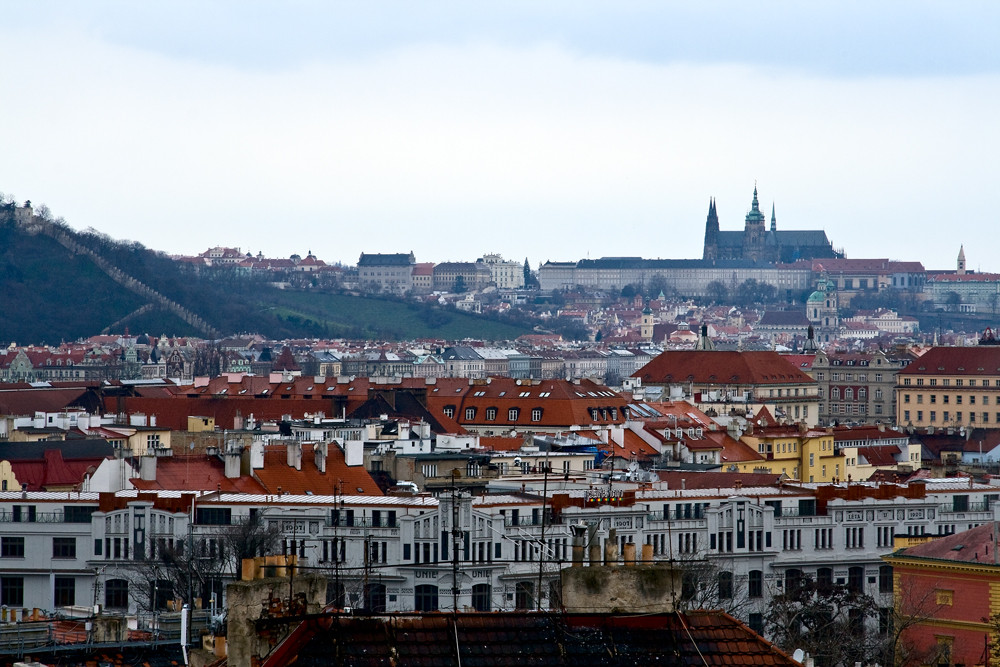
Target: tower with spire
961,261
753,231
774,220
711,232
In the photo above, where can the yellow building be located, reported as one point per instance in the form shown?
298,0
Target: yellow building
802,453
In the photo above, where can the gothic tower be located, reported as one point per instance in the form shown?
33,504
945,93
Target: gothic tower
774,220
753,232
711,232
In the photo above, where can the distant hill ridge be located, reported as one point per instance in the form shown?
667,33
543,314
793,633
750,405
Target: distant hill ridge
35,224
60,284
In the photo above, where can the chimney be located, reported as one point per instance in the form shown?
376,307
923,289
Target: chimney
294,449
232,459
319,456
579,537
147,467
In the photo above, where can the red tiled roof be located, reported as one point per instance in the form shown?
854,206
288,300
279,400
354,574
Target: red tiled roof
879,455
497,444
339,478
562,403
196,472
977,360
721,367
524,638
970,546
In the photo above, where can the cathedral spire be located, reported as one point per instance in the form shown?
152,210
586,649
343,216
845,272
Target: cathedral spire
774,220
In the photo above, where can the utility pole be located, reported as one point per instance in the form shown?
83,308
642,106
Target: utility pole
456,534
541,555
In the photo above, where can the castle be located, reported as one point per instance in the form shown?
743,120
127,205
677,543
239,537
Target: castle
758,244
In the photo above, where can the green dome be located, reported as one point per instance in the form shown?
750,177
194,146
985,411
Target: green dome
818,295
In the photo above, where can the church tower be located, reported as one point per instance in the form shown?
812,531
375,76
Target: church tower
774,220
711,232
646,324
753,231
961,260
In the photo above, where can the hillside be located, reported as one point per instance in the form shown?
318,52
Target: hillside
59,284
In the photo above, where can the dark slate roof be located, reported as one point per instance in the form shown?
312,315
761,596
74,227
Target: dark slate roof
541,640
396,259
802,237
461,353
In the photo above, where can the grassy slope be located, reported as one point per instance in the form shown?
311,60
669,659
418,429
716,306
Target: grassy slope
50,295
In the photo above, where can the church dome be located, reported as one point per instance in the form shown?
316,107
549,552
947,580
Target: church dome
818,295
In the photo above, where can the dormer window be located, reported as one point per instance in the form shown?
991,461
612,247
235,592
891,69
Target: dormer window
470,413
536,414
513,414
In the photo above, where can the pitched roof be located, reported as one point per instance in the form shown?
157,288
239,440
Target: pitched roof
542,640
976,360
338,479
721,367
196,472
971,546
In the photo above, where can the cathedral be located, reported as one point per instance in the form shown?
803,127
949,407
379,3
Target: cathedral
757,243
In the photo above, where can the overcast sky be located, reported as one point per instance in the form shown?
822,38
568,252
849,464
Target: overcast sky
548,130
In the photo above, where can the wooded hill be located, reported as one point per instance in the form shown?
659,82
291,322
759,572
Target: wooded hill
59,285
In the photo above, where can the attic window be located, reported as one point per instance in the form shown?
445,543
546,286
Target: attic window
309,388
330,388
958,547
360,490
242,391
264,392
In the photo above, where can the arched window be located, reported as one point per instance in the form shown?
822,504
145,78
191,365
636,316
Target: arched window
482,597
425,597
793,580
824,579
835,393
524,595
375,598
856,579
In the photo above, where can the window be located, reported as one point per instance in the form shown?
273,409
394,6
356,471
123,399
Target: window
513,414
536,414
491,414
12,591
64,547
470,413
725,585
153,441
524,595
449,411
856,579
482,597
755,584
824,579
885,579
116,594
64,592
12,547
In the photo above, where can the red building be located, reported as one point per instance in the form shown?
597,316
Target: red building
947,589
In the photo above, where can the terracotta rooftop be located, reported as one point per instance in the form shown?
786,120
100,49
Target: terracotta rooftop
971,546
974,361
721,367
541,640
